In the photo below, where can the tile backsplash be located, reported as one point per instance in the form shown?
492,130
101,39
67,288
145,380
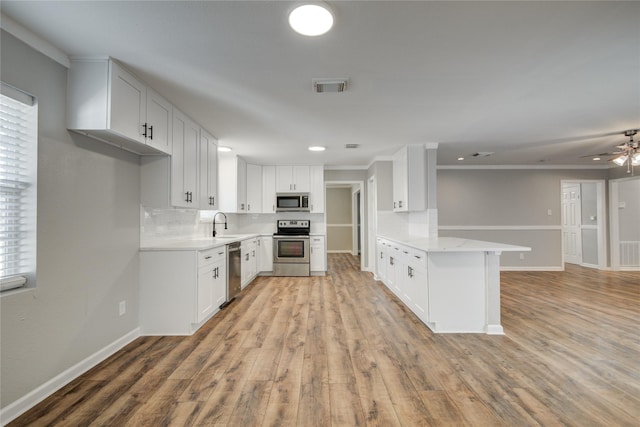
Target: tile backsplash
175,224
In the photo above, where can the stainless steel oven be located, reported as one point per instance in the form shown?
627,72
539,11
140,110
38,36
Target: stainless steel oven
291,248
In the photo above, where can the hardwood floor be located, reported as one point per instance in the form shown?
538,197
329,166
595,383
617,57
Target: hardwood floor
341,350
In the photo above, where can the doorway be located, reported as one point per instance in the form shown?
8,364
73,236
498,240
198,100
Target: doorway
583,219
344,218
624,208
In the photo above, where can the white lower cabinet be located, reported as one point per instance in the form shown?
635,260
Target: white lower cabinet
265,254
248,261
212,279
318,255
404,271
180,290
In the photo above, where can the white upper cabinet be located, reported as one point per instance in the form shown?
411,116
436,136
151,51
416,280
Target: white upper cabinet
254,188
127,113
268,189
316,193
108,103
409,179
232,189
184,161
292,179
208,171
159,122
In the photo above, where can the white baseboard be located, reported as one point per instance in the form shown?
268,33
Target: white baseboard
531,268
495,330
28,401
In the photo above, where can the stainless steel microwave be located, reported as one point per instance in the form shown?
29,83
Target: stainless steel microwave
292,202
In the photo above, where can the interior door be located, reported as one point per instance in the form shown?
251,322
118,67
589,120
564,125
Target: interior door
571,223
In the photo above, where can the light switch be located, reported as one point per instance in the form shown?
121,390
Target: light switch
549,212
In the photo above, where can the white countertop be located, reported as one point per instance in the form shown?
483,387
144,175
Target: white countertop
455,244
195,244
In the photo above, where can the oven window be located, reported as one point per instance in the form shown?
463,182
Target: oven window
290,249
288,202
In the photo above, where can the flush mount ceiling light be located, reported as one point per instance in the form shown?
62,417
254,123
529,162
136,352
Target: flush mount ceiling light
317,148
311,19
223,149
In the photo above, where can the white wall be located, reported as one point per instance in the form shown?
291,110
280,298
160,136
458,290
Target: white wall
88,239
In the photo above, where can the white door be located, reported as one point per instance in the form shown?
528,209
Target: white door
571,222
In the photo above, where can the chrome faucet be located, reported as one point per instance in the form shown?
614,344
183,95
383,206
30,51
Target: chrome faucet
214,222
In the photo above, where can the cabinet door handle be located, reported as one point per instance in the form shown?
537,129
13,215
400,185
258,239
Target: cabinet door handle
274,208
144,132
410,271
394,205
150,132
400,203
248,207
391,260
247,257
241,206
253,254
187,197
220,253
381,256
208,257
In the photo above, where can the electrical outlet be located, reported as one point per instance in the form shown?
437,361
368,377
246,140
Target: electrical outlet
521,255
549,212
122,307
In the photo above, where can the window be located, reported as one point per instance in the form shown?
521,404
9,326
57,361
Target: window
18,169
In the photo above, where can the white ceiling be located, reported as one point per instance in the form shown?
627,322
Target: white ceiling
534,82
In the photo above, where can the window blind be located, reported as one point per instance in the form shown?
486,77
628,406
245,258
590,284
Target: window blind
18,158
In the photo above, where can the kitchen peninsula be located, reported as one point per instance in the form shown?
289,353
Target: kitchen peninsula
451,284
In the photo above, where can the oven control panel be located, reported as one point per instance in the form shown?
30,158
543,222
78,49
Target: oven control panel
293,223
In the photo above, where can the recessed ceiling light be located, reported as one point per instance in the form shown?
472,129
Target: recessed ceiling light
224,149
317,148
311,20
596,158
460,158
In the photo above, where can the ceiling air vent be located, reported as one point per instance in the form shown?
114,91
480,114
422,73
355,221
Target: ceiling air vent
482,154
351,145
329,85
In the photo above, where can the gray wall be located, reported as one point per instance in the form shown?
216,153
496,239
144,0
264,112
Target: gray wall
88,238
508,198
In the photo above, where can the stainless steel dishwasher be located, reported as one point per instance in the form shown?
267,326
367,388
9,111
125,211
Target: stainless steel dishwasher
233,272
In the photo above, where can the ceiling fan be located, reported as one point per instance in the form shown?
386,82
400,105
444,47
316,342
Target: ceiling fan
628,153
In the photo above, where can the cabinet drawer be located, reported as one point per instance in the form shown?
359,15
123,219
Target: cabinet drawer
418,258
211,255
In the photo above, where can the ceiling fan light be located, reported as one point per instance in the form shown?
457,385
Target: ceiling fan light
621,160
635,159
